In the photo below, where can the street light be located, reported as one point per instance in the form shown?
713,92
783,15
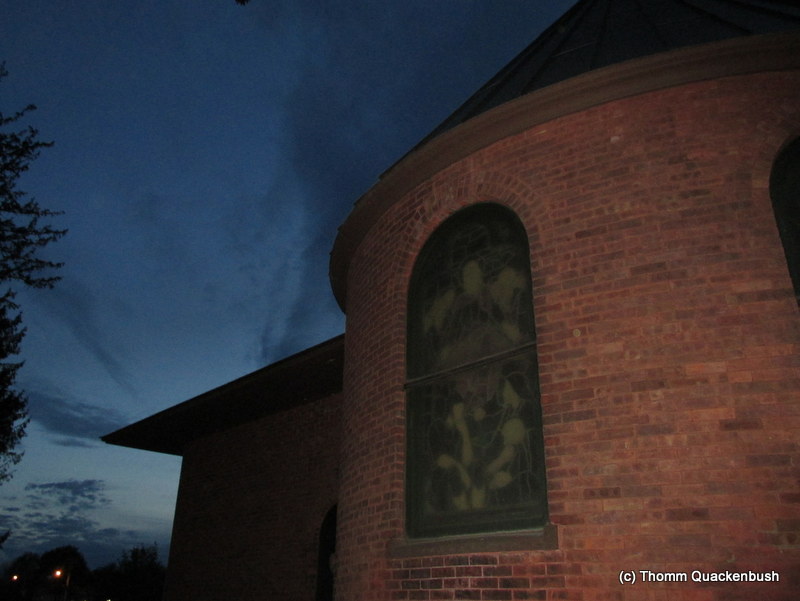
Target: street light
58,574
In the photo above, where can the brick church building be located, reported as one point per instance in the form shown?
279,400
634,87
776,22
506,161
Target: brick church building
571,368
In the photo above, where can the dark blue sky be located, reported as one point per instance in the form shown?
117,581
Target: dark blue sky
205,155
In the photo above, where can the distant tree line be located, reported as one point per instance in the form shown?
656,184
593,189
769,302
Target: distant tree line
61,574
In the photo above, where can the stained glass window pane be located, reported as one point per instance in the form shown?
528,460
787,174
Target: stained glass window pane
472,291
475,458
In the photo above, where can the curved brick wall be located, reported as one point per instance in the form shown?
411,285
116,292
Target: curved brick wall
669,344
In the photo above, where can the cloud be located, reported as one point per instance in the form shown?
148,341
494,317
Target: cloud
55,511
349,110
74,304
291,275
72,495
81,424
311,317
62,513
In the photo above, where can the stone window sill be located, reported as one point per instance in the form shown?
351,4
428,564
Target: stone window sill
537,539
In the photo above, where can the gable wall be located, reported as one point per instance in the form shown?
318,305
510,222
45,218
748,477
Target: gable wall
250,505
669,345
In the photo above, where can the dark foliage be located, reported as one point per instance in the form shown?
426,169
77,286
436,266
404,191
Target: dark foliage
137,576
22,236
20,577
62,574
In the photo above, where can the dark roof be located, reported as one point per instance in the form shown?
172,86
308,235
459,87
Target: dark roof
599,33
598,51
302,378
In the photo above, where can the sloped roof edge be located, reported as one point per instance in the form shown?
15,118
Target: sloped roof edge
731,57
298,379
598,33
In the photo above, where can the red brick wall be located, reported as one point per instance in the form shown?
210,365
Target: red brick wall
669,344
250,505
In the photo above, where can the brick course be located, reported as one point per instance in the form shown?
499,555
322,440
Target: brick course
668,340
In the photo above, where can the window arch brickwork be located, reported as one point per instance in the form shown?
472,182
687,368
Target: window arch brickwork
475,452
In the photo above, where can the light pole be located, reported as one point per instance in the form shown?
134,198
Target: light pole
58,574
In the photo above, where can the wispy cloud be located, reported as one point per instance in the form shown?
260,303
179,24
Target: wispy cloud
249,261
347,114
75,305
52,514
71,495
76,422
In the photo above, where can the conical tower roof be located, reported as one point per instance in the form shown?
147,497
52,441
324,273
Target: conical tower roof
598,51
599,33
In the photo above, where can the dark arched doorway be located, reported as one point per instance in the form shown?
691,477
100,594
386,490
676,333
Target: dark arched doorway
327,556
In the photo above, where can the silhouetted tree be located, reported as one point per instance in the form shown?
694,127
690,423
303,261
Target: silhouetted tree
137,576
21,237
64,573
60,574
21,578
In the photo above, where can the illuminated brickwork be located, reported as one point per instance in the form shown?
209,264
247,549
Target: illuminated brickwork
668,340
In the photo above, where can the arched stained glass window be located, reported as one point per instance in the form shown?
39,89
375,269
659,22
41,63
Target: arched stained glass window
475,455
784,188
